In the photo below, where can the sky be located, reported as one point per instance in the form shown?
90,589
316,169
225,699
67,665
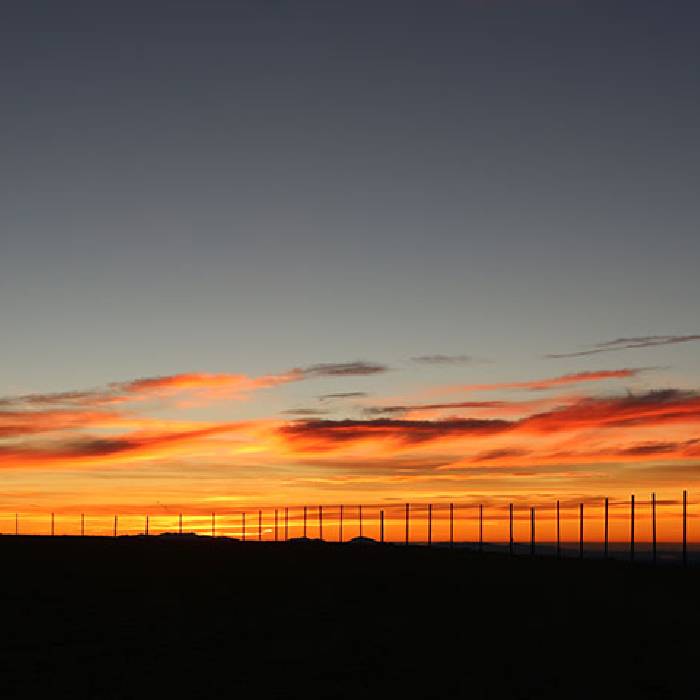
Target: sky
257,253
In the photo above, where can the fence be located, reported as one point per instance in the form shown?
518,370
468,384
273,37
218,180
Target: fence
594,525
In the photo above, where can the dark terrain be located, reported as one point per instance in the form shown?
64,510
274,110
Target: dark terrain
135,617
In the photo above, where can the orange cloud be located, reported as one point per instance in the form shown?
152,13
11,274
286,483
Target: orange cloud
554,382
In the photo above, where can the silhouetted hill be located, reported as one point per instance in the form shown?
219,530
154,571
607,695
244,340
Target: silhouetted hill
211,618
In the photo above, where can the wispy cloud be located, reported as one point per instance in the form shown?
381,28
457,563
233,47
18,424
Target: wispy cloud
447,359
343,395
563,380
304,412
454,405
644,341
358,368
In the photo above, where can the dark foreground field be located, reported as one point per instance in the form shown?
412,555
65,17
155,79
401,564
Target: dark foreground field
128,618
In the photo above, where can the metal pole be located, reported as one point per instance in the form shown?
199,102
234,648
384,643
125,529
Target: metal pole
360,509
510,523
685,528
532,531
632,528
607,527
653,527
340,524
243,525
82,524
558,532
430,524
407,515
259,526
276,525
305,508
286,523
452,525
381,526
481,527
580,530
320,523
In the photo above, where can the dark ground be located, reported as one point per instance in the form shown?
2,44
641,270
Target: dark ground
129,618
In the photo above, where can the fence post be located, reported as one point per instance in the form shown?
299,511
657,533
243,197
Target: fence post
481,527
532,531
452,525
632,528
580,530
243,525
82,524
360,513
276,525
116,525
286,523
213,524
52,525
320,523
381,526
510,529
259,526
305,509
407,515
653,528
685,528
16,523
430,524
179,524
340,524
558,533
607,529
147,524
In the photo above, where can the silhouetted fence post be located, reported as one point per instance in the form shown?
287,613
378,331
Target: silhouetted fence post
381,526
606,529
510,529
320,523
632,528
82,524
532,531
685,528
286,524
340,525
580,530
407,516
481,527
16,523
213,524
360,518
243,526
558,533
116,525
653,528
430,524
305,509
53,532
179,524
259,526
276,525
146,527
452,525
